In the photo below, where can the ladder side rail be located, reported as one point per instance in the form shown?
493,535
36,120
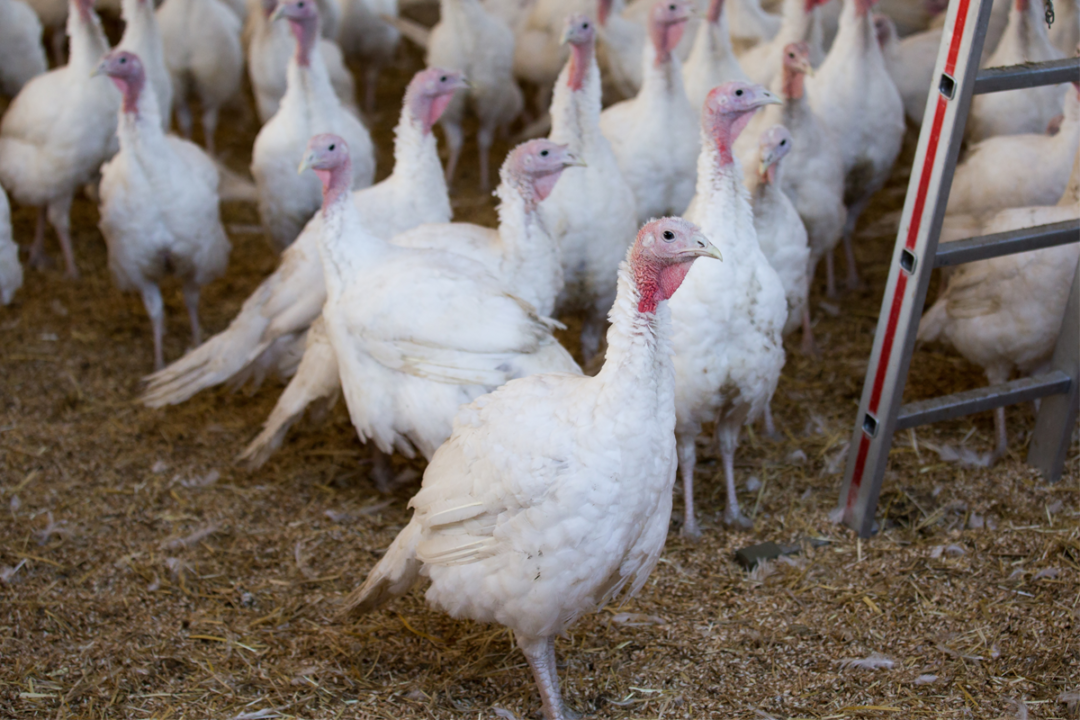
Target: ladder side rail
1057,415
969,402
1010,242
1027,75
909,274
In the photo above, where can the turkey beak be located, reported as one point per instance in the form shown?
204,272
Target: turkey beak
704,248
566,35
99,70
306,163
278,13
767,98
574,161
807,68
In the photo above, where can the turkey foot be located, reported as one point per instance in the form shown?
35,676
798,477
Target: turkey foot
736,518
854,282
540,654
808,346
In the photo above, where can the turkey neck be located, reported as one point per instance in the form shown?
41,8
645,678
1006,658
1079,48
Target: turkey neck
461,16
575,113
1027,29
725,201
416,160
347,248
139,128
88,41
857,33
713,41
531,259
140,29
308,83
800,24
662,81
638,373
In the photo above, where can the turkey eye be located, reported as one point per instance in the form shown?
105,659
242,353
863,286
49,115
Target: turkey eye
668,235
123,61
584,26
543,153
443,79
331,146
671,7
739,93
783,142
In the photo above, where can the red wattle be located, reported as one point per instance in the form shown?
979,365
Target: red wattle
579,64
715,8
436,109
793,83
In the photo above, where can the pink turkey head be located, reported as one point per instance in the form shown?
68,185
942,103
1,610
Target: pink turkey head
773,144
603,10
728,108
662,255
1022,5
667,21
303,17
715,8
796,67
328,156
580,33
862,7
533,168
430,92
884,29
86,9
126,71
811,4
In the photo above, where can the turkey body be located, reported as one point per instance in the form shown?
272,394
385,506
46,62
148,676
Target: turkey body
712,61
21,54
58,130
204,57
801,23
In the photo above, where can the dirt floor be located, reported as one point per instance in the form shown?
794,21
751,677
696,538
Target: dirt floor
144,575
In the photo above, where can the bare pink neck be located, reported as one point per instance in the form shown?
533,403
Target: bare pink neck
580,59
130,89
335,183
715,8
793,83
725,132
305,32
655,281
664,38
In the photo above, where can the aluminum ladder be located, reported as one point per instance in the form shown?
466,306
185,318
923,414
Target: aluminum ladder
957,79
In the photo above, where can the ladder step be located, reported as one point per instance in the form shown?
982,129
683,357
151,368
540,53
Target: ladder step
1016,77
984,247
949,407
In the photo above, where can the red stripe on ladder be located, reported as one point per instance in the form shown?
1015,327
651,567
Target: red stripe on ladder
927,171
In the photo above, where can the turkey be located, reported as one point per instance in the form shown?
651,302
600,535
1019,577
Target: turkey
159,204
57,132
592,244
53,15
470,39
367,36
269,47
204,57
911,64
750,24
21,54
416,333
552,497
1038,166
11,274
1018,111
729,316
857,100
813,176
286,200
1005,314
521,254
1065,32
711,60
653,134
275,317
621,43
801,24
142,37
781,233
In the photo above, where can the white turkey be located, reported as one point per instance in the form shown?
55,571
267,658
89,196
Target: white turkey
552,497
712,61
521,254
21,54
591,243
204,57
910,62
750,24
1005,314
1038,166
654,134
857,100
11,274
470,39
53,15
142,37
729,317
159,204
1065,32
621,42
813,174
367,36
802,23
1018,111
274,319
416,333
780,231
286,200
269,48
57,132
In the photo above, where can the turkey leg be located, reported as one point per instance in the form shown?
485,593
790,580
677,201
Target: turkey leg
1002,444
540,654
770,425
687,461
155,308
830,275
454,141
191,299
38,257
727,433
209,128
809,347
485,136
59,212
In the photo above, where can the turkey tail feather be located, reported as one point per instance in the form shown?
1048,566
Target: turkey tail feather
394,575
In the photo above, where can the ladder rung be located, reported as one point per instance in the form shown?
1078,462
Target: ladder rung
984,247
1016,77
957,405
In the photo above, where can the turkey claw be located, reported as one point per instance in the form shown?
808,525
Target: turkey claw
690,531
737,518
